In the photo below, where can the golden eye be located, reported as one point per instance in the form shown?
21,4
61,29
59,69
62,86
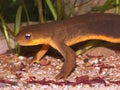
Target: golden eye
27,36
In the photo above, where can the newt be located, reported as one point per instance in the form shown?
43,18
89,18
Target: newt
62,34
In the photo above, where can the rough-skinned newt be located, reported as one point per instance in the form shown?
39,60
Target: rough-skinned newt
62,34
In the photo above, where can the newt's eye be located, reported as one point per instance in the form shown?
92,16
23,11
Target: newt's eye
27,36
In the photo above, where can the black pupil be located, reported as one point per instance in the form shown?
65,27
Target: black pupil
28,36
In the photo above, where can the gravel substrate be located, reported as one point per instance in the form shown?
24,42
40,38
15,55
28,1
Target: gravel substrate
91,72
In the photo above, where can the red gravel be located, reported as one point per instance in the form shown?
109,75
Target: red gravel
90,72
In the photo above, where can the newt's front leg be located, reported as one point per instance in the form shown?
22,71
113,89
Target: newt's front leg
40,53
69,56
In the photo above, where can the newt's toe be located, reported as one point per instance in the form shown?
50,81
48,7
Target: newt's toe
60,76
33,62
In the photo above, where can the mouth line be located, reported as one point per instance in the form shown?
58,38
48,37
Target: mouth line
22,44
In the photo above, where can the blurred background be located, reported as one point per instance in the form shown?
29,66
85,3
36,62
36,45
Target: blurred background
38,9
14,12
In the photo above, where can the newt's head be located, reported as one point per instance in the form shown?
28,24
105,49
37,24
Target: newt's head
29,36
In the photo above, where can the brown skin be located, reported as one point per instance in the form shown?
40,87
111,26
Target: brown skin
62,34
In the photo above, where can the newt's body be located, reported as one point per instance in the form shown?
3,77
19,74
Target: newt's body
62,34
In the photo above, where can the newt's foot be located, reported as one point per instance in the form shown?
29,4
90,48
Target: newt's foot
42,62
33,62
61,75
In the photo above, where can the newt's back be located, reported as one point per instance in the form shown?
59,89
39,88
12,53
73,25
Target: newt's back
89,26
